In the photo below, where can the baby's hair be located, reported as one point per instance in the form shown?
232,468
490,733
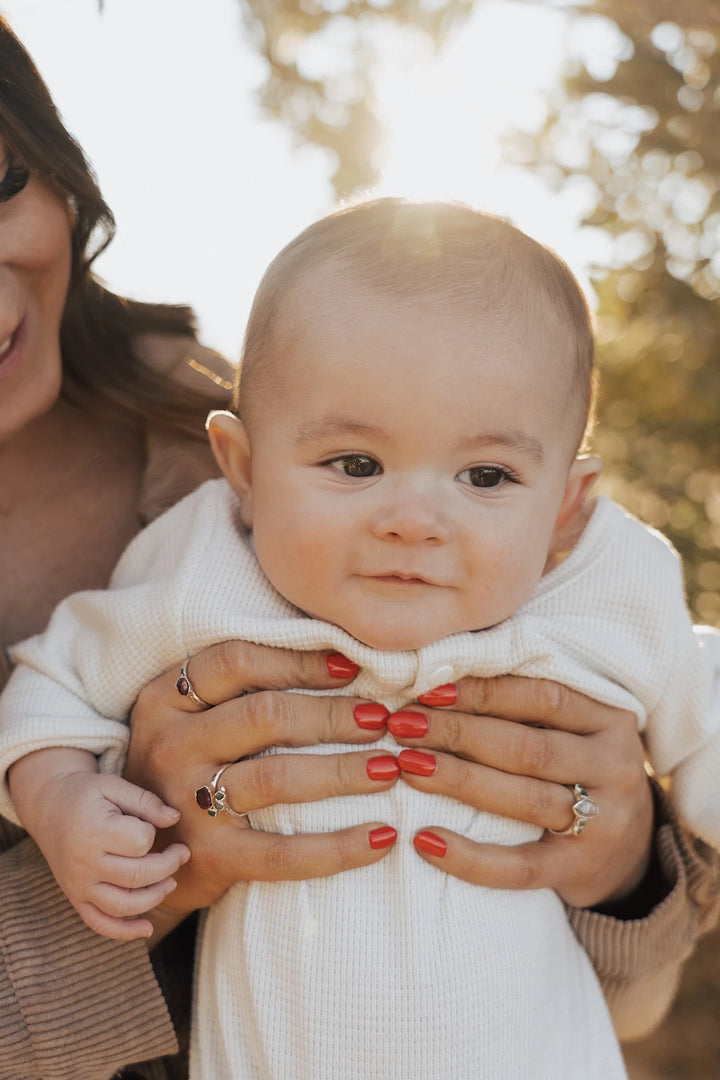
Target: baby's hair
474,262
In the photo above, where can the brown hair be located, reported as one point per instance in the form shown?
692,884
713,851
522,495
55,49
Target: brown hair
475,261
99,329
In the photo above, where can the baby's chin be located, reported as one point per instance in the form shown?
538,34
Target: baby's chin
404,639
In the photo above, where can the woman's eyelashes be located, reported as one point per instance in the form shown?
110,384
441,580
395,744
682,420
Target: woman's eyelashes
487,476
15,178
354,466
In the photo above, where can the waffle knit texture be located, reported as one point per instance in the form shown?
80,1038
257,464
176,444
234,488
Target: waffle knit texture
397,970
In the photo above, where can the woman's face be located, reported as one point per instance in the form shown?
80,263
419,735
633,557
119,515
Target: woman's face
35,259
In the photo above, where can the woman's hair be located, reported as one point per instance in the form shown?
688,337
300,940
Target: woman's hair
99,329
472,262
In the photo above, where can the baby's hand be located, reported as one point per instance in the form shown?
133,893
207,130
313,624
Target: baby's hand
96,832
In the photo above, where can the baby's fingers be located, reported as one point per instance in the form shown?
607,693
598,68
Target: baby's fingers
139,803
109,927
120,904
128,873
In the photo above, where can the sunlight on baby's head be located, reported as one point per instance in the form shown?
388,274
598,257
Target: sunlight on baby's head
429,257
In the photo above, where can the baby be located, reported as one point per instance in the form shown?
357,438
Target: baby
402,485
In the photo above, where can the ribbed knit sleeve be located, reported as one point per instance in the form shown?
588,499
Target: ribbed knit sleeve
73,1005
639,960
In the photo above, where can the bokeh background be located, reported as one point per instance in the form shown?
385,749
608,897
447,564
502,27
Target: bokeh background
219,128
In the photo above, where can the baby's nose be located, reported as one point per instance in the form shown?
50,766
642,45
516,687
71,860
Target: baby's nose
414,518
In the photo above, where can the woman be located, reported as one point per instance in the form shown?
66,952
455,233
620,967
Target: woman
101,429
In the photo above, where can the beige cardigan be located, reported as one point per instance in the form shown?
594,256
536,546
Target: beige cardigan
75,1006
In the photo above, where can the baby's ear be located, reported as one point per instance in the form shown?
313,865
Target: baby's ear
231,447
584,471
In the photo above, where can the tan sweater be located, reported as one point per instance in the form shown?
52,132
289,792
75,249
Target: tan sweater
75,1005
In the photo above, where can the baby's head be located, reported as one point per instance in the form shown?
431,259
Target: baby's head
417,380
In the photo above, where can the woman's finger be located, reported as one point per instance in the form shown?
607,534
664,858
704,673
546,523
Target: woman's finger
523,798
250,724
605,862
517,748
524,866
231,668
226,850
536,702
298,778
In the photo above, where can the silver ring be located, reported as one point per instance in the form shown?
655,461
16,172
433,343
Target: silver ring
584,808
213,799
185,689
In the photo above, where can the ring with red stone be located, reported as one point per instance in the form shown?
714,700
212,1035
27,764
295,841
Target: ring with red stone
185,688
212,798
584,809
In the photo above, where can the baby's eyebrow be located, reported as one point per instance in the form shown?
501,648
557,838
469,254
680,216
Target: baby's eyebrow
511,440
329,426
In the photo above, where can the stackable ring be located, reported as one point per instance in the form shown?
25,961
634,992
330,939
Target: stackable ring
185,688
213,798
584,808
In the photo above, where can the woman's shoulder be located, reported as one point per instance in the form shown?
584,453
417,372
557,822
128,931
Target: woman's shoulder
177,464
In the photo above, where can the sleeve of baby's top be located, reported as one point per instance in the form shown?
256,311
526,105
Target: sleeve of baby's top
695,776
75,684
72,1004
638,958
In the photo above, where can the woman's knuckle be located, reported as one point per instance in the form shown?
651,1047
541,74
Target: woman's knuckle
335,718
230,657
459,774
453,731
536,751
537,802
526,873
557,699
280,859
272,778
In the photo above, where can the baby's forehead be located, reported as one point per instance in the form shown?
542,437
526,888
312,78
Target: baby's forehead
334,299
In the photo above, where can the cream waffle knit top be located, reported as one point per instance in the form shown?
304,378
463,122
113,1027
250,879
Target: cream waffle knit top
393,970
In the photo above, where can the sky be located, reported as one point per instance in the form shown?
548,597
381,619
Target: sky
206,190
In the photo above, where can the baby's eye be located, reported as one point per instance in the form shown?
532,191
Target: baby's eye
484,476
358,466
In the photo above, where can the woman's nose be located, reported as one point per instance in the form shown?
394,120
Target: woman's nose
412,517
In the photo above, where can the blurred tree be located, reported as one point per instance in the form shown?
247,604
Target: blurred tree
637,120
320,56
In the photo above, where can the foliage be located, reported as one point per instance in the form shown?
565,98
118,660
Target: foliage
320,58
642,125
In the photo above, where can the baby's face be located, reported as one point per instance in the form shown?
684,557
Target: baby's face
409,465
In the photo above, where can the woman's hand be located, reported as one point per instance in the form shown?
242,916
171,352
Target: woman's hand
516,746
176,747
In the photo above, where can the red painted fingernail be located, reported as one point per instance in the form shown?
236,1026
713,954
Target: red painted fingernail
371,715
415,761
383,768
408,725
430,844
340,667
385,836
440,695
